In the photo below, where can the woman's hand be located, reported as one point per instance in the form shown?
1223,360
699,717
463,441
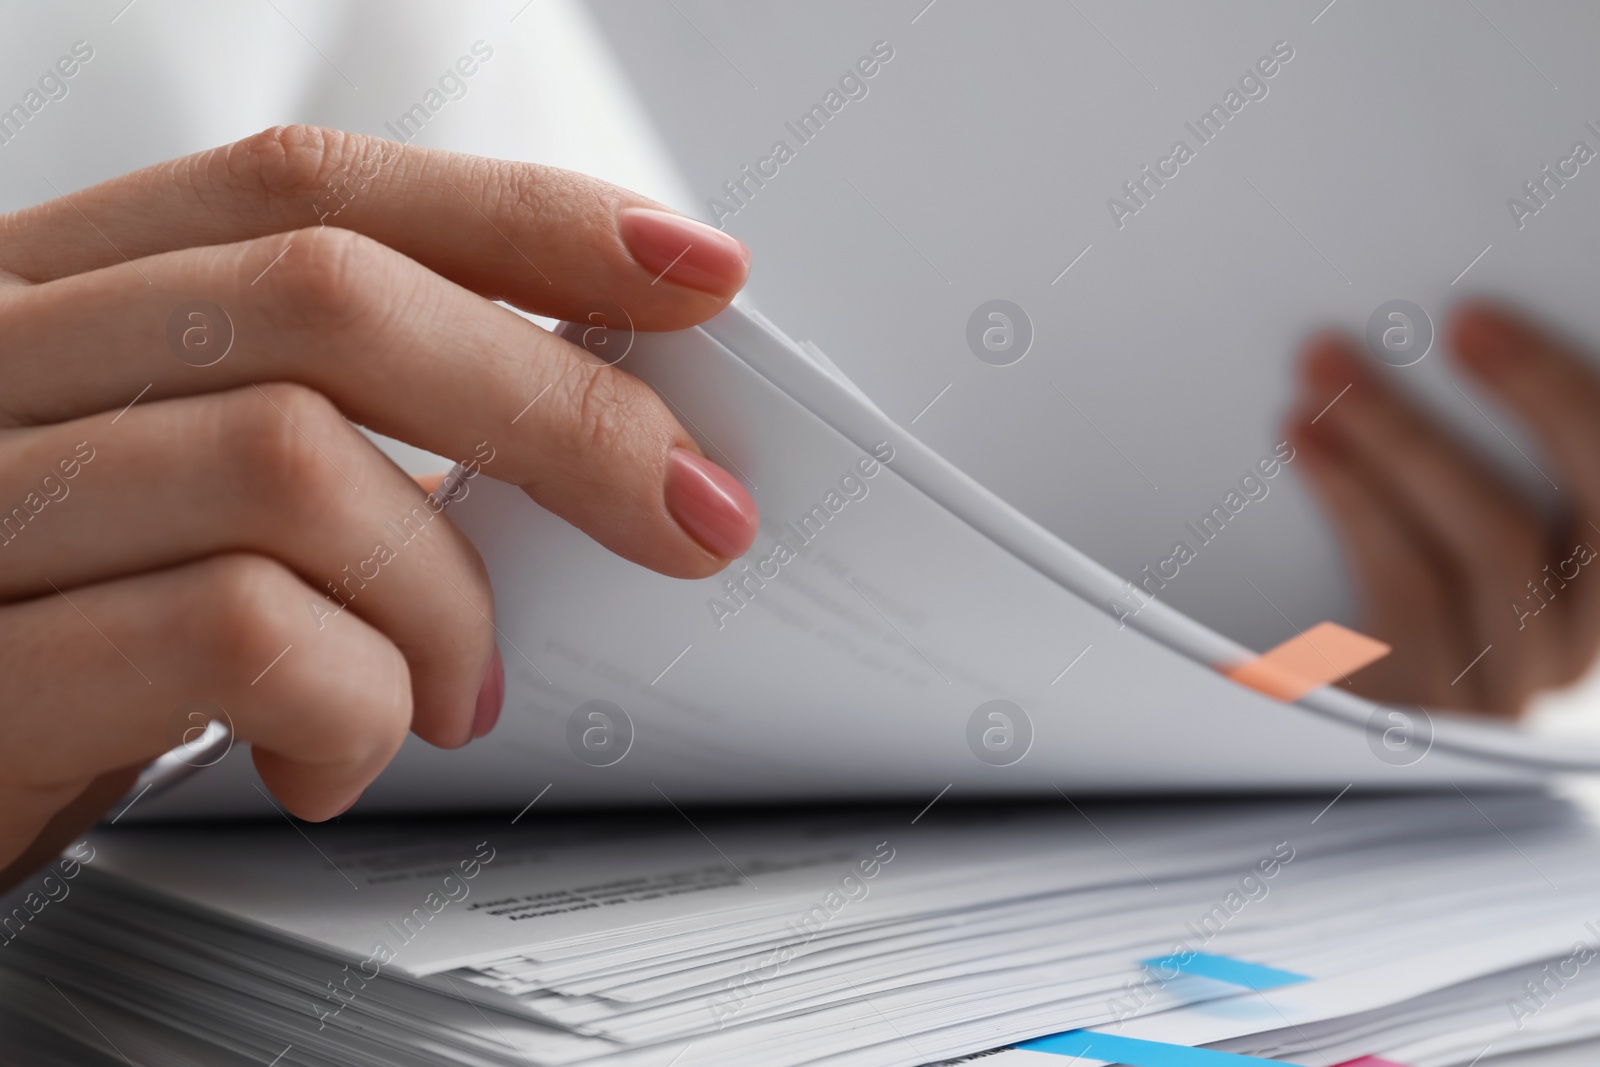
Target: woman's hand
1486,599
183,523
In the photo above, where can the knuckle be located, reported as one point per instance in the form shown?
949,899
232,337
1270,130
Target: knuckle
605,411
598,409
283,435
553,200
242,612
288,161
245,611
585,395
326,279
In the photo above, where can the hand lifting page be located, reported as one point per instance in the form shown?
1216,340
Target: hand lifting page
894,630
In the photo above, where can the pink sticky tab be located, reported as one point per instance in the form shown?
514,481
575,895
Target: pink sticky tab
1369,1061
1324,654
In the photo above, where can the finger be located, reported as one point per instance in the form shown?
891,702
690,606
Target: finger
273,470
1407,594
548,240
1555,389
401,350
66,825
1491,537
1546,381
1473,513
97,679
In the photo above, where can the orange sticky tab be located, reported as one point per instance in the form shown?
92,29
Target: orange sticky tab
1324,654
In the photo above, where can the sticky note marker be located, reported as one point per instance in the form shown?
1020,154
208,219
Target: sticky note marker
1135,1052
1320,656
1255,976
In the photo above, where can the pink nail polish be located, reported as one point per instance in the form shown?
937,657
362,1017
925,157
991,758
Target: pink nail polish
490,696
712,507
684,252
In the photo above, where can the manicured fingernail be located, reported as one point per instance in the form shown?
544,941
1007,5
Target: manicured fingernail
710,506
490,696
684,252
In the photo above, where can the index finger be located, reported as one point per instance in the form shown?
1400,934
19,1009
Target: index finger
550,241
1547,382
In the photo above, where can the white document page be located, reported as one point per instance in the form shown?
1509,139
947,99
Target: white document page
873,642
985,161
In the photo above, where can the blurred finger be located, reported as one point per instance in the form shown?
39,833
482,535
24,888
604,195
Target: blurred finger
1493,538
1472,513
1407,592
1555,389
1548,382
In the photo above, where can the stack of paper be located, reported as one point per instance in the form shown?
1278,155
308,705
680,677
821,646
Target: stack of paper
882,937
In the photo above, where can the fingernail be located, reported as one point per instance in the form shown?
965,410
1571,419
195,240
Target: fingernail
353,802
710,506
490,696
684,252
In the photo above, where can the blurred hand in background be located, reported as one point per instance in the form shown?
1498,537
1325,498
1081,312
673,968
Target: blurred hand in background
1486,598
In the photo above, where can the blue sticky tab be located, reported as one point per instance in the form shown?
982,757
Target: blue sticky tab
1134,1052
1226,969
